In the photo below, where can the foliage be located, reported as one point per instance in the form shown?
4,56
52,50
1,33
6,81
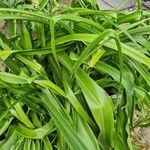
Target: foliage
74,76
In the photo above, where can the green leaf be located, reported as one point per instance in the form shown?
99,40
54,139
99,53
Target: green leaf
12,78
98,100
33,64
142,70
126,49
20,114
4,125
62,121
85,54
126,18
11,140
76,104
5,54
25,38
99,103
95,57
87,134
50,85
114,73
38,133
42,4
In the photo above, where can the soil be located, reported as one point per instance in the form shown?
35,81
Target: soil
146,137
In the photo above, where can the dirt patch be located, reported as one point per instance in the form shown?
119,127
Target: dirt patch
146,137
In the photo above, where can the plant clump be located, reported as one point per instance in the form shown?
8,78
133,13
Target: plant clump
74,76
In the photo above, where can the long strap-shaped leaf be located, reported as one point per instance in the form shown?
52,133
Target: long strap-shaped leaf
126,49
38,133
15,79
114,73
142,70
78,18
97,99
99,104
62,121
13,136
85,54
